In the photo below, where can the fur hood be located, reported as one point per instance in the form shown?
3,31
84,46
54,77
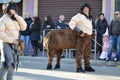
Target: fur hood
7,6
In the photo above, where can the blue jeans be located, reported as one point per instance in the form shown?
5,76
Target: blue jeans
27,43
114,40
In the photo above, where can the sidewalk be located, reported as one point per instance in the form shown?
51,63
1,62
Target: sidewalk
70,61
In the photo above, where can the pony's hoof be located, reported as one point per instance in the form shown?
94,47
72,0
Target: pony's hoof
80,70
89,69
49,66
57,66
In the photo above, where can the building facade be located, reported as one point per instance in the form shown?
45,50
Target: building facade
68,8
54,8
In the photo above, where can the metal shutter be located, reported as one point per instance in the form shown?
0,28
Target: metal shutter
66,7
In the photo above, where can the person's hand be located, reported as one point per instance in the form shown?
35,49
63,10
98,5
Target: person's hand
93,34
81,34
15,15
15,41
58,27
12,11
48,26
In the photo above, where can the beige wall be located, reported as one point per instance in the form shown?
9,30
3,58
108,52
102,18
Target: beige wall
112,8
35,9
24,7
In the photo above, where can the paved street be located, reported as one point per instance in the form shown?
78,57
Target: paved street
34,68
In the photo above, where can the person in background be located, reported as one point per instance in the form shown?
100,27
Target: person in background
48,24
101,27
35,34
105,47
114,32
10,25
60,23
25,35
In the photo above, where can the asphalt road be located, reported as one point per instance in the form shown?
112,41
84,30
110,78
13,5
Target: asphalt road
35,69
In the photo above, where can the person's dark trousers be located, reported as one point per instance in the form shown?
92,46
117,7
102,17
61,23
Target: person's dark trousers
35,47
99,48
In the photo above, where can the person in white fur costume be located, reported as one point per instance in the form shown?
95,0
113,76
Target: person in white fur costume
105,47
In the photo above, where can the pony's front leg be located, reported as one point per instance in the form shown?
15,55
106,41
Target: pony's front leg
50,54
58,55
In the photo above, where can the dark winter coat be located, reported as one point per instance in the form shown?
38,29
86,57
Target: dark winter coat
27,31
35,32
101,27
45,24
62,25
48,23
114,27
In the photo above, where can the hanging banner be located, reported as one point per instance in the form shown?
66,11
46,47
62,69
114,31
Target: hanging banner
5,1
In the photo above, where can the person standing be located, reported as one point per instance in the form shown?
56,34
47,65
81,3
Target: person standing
35,34
48,24
82,24
114,33
105,47
25,35
10,24
101,27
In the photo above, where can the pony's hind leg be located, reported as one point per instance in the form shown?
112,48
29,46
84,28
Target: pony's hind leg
50,54
58,55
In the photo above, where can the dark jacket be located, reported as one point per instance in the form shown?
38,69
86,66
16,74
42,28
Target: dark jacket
27,31
48,23
61,24
101,27
35,32
51,24
115,27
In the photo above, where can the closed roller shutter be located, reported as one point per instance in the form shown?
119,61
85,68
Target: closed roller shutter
66,7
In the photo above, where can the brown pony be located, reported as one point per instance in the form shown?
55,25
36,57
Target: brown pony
57,40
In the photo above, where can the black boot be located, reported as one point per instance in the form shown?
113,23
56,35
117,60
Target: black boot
34,55
80,70
57,66
49,67
90,69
